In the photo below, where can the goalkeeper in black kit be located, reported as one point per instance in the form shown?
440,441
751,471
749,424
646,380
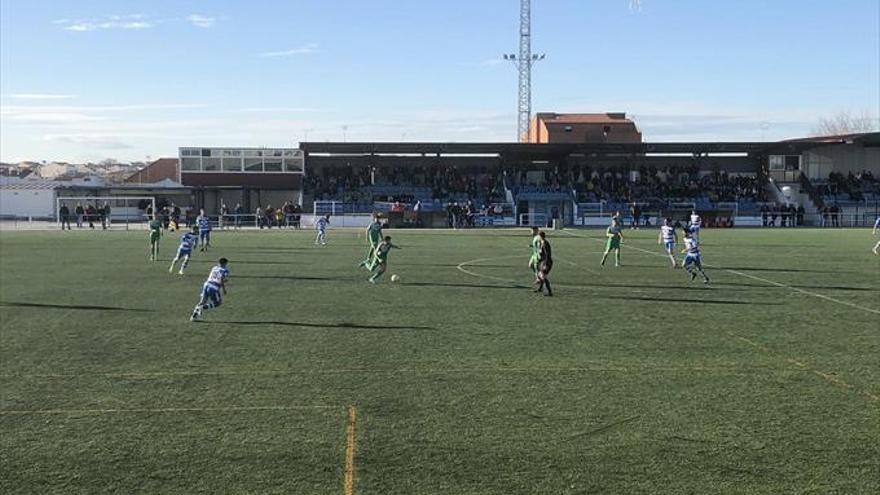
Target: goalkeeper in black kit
545,264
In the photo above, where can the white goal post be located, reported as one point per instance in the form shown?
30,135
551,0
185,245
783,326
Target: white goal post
123,209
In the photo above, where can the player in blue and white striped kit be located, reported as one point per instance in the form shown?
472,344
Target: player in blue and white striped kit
321,226
695,224
211,292
668,238
187,241
204,224
693,262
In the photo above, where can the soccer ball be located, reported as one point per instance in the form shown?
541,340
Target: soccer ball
395,278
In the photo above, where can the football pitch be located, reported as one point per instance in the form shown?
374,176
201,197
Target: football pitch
456,379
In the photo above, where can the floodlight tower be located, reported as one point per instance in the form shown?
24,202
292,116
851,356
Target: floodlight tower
524,63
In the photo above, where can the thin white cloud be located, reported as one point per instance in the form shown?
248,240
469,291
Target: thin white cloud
128,22
277,110
131,22
303,50
101,141
201,21
38,96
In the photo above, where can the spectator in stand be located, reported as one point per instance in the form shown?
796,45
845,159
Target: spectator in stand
279,217
238,212
64,215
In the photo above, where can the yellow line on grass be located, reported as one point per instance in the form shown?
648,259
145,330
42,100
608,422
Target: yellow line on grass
833,380
348,483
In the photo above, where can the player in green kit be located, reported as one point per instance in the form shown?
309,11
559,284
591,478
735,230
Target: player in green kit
374,238
535,251
614,236
155,234
380,259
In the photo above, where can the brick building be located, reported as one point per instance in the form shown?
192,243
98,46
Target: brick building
583,128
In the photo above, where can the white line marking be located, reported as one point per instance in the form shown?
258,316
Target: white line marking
753,277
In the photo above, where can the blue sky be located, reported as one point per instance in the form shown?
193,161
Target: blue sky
93,79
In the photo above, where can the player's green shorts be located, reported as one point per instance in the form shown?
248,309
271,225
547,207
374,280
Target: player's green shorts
533,261
154,237
612,244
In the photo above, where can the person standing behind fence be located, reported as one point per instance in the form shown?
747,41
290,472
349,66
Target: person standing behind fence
64,214
635,213
90,216
835,216
80,213
224,211
258,217
238,212
297,216
105,216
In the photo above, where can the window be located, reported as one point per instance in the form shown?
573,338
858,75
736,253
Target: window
272,166
228,153
777,162
190,164
793,162
231,164
206,152
253,164
294,165
568,128
210,164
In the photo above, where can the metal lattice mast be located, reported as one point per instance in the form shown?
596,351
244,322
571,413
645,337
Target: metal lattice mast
524,63
524,106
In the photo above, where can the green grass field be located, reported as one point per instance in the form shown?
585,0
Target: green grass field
630,380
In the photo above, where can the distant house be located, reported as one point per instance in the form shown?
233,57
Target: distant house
56,169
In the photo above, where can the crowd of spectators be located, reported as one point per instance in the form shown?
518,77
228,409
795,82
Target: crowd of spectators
446,184
677,183
852,186
88,214
288,215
